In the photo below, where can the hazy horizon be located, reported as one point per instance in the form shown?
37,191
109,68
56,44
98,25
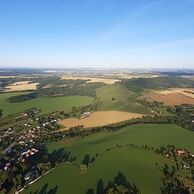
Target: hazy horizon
97,34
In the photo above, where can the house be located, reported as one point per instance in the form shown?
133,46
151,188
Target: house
85,114
180,152
27,176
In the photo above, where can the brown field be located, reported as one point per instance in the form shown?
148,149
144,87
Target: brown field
21,86
99,118
172,97
91,79
185,91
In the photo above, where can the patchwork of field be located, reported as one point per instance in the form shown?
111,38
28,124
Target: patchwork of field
21,86
172,96
46,104
124,75
185,91
137,165
91,79
99,118
117,97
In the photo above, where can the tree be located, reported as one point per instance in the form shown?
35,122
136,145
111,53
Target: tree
1,113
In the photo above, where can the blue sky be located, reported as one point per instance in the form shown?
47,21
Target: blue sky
97,33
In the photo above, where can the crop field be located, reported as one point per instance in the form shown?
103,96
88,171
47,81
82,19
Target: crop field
46,104
21,86
170,97
136,164
99,118
91,79
117,97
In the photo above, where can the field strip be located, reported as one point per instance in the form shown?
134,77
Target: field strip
99,118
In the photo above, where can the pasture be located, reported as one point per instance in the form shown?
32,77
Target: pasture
117,97
99,118
46,104
136,164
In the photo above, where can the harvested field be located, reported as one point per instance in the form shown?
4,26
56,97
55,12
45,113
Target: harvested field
21,86
99,118
169,99
90,79
185,91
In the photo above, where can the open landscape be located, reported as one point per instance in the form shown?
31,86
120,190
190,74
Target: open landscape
99,118
97,97
91,79
21,86
172,96
97,134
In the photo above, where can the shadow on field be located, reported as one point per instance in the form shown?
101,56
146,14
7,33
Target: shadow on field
45,190
119,185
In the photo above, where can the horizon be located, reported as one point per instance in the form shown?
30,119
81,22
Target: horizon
97,34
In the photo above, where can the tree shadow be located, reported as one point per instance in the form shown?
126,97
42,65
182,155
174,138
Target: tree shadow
100,187
119,185
90,191
46,190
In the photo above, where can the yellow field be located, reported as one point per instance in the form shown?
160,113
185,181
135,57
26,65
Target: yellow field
172,96
90,79
21,86
99,118
185,91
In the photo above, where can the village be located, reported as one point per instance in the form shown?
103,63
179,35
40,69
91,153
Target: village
26,144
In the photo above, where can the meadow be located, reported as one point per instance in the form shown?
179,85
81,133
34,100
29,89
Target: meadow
117,97
46,104
136,164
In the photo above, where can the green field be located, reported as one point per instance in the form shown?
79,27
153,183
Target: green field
136,164
46,104
123,99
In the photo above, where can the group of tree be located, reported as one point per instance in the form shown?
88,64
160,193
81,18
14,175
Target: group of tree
171,183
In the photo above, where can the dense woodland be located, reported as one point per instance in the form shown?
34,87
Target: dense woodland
140,84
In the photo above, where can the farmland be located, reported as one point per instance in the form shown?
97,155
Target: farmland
132,162
96,97
99,118
96,134
119,98
21,86
171,97
46,104
91,79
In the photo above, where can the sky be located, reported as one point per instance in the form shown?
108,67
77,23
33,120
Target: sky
97,33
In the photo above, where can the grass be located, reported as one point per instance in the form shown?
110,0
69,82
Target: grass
46,104
136,164
122,99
